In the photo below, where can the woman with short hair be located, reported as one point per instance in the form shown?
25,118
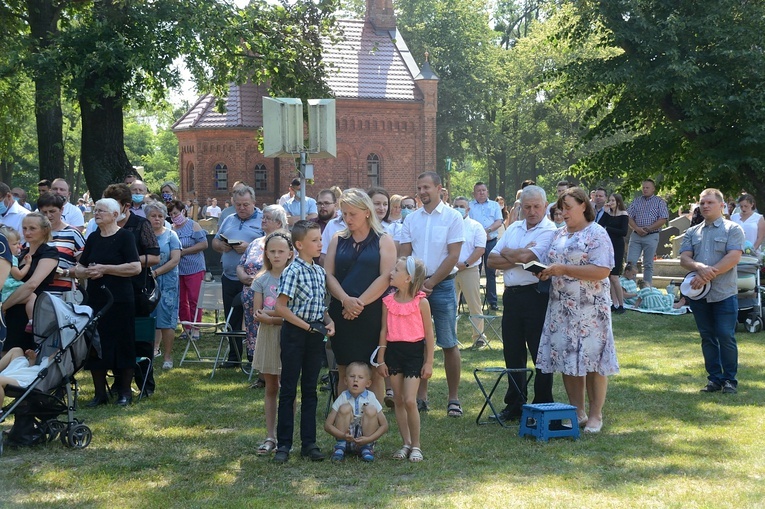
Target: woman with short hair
109,261
166,274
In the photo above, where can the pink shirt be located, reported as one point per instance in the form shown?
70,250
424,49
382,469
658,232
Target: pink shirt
404,319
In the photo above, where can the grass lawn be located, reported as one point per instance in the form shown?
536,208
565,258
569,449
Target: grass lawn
193,444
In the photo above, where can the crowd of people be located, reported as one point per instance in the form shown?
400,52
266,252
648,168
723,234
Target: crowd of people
381,276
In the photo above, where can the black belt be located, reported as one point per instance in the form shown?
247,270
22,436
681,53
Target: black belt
447,278
520,289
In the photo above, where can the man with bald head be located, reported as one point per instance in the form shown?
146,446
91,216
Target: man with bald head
70,214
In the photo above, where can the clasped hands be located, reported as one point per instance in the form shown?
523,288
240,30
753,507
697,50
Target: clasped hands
352,308
704,275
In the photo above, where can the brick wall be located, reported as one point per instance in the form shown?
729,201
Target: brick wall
399,133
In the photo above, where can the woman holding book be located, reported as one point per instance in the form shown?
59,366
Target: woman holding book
577,339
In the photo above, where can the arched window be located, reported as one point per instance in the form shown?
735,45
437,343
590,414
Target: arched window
261,178
373,169
221,177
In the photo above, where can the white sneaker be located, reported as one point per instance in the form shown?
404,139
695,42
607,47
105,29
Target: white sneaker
167,365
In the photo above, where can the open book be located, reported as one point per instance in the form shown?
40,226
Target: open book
534,266
228,241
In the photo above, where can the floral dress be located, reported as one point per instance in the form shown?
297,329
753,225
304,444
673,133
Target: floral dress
252,261
577,337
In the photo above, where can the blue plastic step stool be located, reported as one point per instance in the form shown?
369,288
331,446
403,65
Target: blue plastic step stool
536,419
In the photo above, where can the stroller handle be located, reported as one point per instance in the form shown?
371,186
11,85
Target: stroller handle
109,302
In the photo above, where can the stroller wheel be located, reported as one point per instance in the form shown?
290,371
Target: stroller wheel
753,324
53,429
79,436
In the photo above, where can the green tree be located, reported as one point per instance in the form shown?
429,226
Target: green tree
676,93
462,50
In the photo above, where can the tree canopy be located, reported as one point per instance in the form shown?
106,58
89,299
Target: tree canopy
678,93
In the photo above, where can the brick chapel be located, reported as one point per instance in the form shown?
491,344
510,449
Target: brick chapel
385,122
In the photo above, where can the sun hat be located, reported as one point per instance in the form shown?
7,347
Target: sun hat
692,293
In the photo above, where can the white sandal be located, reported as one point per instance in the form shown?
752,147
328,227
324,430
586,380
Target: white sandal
267,447
416,455
402,453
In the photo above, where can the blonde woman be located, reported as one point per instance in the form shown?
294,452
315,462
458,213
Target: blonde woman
359,261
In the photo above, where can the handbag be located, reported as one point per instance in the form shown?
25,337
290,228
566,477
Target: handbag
150,294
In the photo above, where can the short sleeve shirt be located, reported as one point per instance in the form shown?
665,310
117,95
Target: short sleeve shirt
431,233
486,213
358,403
519,236
235,228
305,285
292,206
708,244
475,237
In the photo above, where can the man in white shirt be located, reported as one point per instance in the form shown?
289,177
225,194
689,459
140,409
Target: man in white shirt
333,226
488,213
138,192
434,234
11,213
524,304
70,214
213,210
467,280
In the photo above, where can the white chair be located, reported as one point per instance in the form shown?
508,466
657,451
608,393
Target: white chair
210,299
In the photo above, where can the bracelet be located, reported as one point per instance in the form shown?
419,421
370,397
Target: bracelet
383,346
381,363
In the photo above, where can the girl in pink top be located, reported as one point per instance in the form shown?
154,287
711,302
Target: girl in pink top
405,350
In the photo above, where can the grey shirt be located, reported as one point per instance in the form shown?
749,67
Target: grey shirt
709,243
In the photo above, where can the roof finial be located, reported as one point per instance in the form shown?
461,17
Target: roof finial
426,56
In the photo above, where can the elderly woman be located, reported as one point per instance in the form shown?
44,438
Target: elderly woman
359,261
42,270
166,274
148,254
752,222
66,239
577,339
109,260
274,218
191,268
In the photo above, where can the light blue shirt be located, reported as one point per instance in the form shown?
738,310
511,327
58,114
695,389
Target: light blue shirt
245,230
292,206
486,213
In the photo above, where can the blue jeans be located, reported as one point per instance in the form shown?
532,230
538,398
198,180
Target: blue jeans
491,274
646,245
302,353
716,322
443,308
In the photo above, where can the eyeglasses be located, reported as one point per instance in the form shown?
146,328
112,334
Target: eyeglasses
100,211
269,218
409,207
324,203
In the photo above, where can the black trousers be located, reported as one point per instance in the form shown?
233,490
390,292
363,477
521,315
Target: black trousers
231,288
302,354
522,320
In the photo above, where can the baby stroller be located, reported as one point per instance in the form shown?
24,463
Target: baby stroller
64,332
749,293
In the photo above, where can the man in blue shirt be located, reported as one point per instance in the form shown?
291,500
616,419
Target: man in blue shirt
489,214
240,228
292,205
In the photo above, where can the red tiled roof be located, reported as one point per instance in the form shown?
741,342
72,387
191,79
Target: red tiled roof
364,64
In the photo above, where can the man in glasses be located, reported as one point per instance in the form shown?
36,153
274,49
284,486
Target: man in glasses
327,208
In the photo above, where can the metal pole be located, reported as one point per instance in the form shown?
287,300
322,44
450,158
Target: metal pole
302,185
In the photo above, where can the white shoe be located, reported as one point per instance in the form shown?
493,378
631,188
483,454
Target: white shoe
167,365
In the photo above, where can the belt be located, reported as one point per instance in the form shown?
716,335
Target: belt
520,289
447,278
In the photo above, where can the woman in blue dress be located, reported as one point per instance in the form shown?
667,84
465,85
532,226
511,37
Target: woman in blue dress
166,274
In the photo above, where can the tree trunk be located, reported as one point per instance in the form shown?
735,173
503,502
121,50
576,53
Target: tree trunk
6,171
43,19
103,156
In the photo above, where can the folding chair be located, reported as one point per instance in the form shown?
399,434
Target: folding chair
500,372
333,377
231,338
144,335
491,324
210,299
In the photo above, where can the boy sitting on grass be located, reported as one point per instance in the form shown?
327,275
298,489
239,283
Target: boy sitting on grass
356,419
653,299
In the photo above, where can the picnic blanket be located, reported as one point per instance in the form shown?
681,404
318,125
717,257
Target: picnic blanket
680,311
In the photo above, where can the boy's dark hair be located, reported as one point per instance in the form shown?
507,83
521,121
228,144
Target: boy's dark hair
120,192
44,182
300,230
51,200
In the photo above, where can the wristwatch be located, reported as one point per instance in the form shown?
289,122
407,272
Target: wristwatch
467,265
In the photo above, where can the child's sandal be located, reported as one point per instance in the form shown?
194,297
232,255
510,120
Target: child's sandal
267,447
416,455
402,453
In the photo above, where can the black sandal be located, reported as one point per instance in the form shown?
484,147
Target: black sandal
454,409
